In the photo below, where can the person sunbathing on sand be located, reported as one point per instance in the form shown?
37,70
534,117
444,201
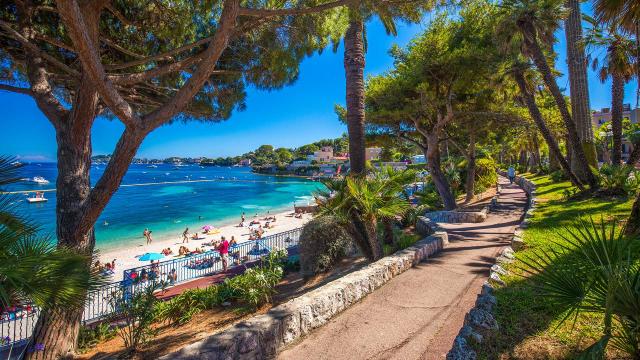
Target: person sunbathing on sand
194,236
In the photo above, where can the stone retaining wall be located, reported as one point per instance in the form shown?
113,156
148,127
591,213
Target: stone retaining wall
262,336
456,216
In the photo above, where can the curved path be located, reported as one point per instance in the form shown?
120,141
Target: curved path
418,314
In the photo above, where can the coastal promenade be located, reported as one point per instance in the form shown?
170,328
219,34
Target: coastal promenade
418,314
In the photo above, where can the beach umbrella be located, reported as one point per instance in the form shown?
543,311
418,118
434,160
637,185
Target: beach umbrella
151,256
207,227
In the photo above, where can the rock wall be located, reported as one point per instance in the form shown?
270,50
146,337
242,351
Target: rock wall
261,336
455,216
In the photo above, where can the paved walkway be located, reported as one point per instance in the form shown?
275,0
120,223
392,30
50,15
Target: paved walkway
417,314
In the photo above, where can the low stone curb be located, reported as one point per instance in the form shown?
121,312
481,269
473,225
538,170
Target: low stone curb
262,336
480,320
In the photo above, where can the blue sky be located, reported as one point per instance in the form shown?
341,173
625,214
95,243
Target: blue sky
290,117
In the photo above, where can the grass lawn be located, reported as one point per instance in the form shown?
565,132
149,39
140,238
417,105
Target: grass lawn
529,327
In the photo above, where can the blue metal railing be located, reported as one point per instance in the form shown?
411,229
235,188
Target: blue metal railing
190,267
16,326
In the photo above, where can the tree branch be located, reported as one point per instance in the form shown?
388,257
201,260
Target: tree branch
111,178
15,89
90,59
112,44
285,12
54,42
159,56
118,14
206,67
35,49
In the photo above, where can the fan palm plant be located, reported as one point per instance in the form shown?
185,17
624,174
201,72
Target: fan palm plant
594,269
359,203
32,269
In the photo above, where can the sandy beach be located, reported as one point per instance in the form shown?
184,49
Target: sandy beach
126,257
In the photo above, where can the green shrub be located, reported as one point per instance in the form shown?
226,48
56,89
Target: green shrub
618,179
486,174
181,308
322,243
558,176
136,312
89,337
429,196
411,216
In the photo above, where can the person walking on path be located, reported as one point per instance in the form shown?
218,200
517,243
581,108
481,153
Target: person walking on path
185,236
512,174
223,249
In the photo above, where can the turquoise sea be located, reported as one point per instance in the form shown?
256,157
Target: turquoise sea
168,198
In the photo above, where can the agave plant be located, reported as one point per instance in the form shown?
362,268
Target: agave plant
359,203
594,269
32,269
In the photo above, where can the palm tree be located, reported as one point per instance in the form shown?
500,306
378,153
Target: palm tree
617,63
32,269
359,203
577,64
518,71
536,22
625,13
354,62
354,71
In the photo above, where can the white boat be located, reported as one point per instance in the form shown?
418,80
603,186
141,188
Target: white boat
40,180
38,198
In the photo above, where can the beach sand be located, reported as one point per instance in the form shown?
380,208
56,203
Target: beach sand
126,257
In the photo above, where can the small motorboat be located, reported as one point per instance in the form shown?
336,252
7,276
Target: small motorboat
38,198
40,180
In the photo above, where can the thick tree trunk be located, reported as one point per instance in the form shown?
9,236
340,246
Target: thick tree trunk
633,222
354,70
634,156
554,149
540,60
578,85
471,169
617,100
537,162
388,231
432,154
57,329
554,164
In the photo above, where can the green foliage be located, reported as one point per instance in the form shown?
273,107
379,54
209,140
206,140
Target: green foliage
323,242
429,196
32,268
618,180
404,240
486,174
558,176
594,269
89,337
528,320
136,313
410,217
256,286
358,204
